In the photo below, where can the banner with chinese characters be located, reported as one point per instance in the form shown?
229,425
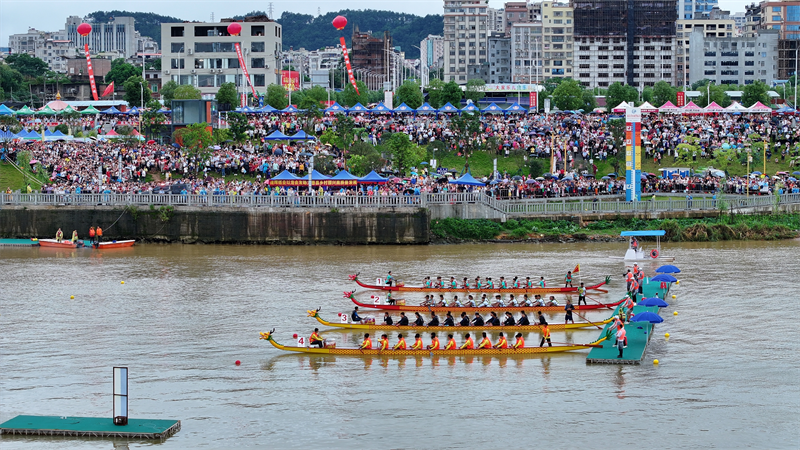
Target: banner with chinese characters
349,67
91,71
633,154
534,101
290,80
681,99
244,67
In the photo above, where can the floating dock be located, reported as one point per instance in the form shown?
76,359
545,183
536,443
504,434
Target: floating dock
638,333
90,427
18,243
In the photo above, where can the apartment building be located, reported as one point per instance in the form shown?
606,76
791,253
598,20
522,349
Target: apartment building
515,12
734,60
526,53
118,36
55,53
496,20
557,39
202,54
499,63
431,56
465,37
695,9
710,28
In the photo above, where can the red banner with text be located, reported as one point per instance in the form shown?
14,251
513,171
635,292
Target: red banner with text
244,67
290,80
681,99
534,101
347,63
91,71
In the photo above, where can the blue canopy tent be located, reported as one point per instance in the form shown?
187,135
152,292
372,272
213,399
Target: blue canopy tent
290,110
786,110
380,108
56,136
335,108
425,109
6,111
516,109
285,179
448,108
164,111
492,109
277,136
267,109
471,108
133,111
467,180
302,136
403,108
372,178
111,111
245,110
344,178
358,108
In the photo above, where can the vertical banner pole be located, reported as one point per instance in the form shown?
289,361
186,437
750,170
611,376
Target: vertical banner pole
91,71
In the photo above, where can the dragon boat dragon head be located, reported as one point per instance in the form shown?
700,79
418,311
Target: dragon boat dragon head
349,295
312,313
267,336
354,277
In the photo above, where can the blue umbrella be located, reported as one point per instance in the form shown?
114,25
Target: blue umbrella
647,316
756,173
664,277
668,269
605,178
796,173
653,301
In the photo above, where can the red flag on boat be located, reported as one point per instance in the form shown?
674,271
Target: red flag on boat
108,90
576,269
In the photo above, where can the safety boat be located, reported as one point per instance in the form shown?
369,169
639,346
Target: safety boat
344,323
637,252
332,350
511,290
68,244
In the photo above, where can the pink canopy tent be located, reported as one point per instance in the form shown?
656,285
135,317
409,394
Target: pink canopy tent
760,108
669,107
691,108
713,107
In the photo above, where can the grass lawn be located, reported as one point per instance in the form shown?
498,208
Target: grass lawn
481,163
10,177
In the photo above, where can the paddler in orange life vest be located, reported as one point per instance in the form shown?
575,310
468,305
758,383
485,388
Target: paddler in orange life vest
628,308
501,342
315,338
468,343
634,289
434,342
622,339
451,343
383,343
629,279
545,336
366,344
417,342
520,342
485,342
401,343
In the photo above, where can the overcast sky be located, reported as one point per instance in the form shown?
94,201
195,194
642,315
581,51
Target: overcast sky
16,16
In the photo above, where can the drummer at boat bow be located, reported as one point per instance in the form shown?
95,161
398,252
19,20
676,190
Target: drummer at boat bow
315,338
354,316
389,279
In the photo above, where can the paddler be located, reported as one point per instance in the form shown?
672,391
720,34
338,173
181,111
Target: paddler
520,342
434,342
448,320
485,342
478,283
489,283
503,283
485,303
552,301
428,282
528,282
315,338
501,342
387,319
453,283
464,320
366,344
401,343
74,236
568,279
438,283
468,343
545,336
581,294
419,321
542,320
523,319
509,320
417,342
515,283
434,322
493,320
451,343
389,279
478,320
569,307
542,283
465,284
59,235
383,343
403,322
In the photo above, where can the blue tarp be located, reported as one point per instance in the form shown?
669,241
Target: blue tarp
380,108
6,135
403,108
133,111
493,109
426,109
643,233
448,108
373,178
277,136
302,136
664,277
6,111
336,108
467,180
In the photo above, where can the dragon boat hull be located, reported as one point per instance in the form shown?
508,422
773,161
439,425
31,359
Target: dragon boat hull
470,310
534,291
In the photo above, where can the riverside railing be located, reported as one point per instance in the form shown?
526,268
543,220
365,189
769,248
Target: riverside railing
509,207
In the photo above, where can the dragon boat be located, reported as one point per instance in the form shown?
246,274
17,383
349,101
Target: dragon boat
520,328
471,352
471,309
533,290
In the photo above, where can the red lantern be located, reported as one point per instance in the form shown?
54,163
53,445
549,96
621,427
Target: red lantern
234,29
339,22
84,29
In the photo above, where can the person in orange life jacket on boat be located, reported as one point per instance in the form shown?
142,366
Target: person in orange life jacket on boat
520,342
501,342
401,343
315,339
417,345
434,342
366,344
468,343
451,343
485,342
383,342
545,336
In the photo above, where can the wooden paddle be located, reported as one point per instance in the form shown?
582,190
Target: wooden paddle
599,303
584,318
579,345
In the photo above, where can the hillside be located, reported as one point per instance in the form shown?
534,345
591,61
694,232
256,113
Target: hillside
147,24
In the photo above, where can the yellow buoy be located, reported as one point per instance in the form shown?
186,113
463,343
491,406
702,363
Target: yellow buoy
121,282
655,362
72,297
678,282
674,296
666,335
675,313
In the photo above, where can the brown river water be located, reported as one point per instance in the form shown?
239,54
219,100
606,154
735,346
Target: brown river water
728,376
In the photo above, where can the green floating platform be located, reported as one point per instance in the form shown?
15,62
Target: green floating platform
90,427
18,243
638,333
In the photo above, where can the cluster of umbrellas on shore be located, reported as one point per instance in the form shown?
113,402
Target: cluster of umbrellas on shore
664,274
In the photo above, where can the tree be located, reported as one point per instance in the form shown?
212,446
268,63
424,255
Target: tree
313,98
27,65
227,97
187,92
700,83
618,93
196,139
154,64
10,80
152,120
452,94
276,96
137,91
405,154
717,93
663,93
755,92
647,94
568,95
168,92
589,102
475,90
410,94
350,97
121,71
436,93
238,125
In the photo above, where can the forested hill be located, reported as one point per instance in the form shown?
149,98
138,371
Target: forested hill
315,32
147,24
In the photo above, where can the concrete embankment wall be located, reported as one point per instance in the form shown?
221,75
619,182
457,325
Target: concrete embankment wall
222,225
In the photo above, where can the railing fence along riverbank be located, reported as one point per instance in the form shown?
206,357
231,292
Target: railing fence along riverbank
515,207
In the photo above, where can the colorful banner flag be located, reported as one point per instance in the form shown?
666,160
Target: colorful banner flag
244,67
534,101
243,100
577,269
91,71
347,63
681,99
290,80
109,89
